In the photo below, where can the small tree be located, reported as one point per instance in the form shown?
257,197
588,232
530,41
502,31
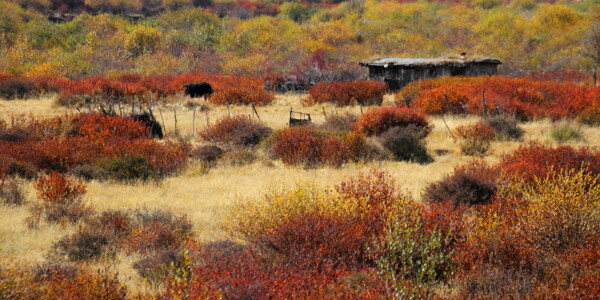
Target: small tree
591,41
143,40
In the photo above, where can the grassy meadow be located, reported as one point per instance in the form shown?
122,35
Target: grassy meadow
205,195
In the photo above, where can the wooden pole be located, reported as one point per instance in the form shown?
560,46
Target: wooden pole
163,120
594,76
484,112
175,131
194,121
255,111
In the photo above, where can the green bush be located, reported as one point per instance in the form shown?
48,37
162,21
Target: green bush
565,133
128,168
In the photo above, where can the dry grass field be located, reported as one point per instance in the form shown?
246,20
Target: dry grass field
205,195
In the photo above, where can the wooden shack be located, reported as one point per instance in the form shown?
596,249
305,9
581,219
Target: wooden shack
398,72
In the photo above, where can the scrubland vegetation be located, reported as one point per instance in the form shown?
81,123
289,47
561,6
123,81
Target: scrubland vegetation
453,188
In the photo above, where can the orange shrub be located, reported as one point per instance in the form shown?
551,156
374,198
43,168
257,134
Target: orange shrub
61,199
475,139
98,127
524,98
240,90
343,93
58,282
378,120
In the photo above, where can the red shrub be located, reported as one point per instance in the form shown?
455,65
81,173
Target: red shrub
537,160
342,93
63,143
229,270
378,120
236,130
309,147
317,242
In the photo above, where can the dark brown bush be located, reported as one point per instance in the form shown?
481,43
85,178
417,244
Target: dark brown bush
156,267
239,157
14,134
339,122
469,185
506,127
89,172
207,154
84,245
18,168
406,143
11,192
14,87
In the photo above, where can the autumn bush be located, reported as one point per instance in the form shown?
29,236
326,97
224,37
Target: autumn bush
524,98
413,258
343,93
314,242
378,120
56,281
238,90
527,245
236,131
77,142
159,237
61,198
537,160
309,147
589,116
475,139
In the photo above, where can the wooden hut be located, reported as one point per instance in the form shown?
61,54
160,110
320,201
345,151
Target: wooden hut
398,72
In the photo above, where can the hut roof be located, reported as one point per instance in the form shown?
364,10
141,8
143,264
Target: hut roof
427,62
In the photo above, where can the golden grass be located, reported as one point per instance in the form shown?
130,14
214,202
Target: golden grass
205,196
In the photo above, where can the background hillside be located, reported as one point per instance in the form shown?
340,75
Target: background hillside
83,38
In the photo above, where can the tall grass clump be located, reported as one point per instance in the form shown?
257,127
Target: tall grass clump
563,133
